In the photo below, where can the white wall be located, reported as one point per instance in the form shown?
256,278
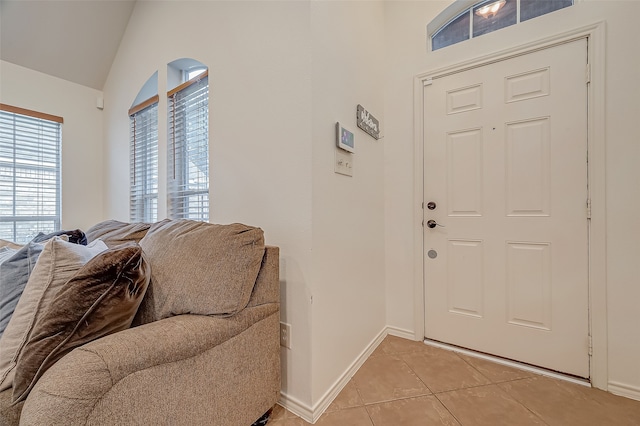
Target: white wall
82,172
348,212
258,54
407,56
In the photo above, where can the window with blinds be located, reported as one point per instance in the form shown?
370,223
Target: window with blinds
143,200
188,150
30,144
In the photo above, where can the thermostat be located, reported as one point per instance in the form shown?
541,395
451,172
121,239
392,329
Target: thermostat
345,138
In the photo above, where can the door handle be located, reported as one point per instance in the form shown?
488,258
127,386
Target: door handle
432,224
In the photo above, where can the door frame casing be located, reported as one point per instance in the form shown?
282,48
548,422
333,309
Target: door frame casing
595,35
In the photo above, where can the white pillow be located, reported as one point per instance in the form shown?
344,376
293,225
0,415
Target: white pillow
57,263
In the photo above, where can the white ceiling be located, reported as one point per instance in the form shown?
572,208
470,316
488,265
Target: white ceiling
75,40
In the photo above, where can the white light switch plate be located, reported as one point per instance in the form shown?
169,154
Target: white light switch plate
344,162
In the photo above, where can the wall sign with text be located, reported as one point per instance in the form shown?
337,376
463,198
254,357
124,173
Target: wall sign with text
368,122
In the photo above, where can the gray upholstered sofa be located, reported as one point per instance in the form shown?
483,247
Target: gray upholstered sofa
171,368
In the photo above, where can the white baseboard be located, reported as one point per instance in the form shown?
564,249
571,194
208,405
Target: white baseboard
401,332
339,384
622,389
296,407
312,414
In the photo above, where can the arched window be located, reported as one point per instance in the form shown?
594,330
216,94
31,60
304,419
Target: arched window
188,140
466,19
143,120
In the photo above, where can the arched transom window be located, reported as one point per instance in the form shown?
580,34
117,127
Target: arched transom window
466,19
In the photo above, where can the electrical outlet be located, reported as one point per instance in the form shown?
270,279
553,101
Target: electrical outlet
285,335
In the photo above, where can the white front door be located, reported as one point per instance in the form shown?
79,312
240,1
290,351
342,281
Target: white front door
505,166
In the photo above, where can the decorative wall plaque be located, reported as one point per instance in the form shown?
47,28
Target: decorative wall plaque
368,122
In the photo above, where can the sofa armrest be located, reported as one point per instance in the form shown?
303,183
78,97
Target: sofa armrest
147,372
267,286
171,339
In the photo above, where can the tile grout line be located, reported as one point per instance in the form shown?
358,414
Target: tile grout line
491,383
369,415
434,394
450,390
447,408
479,386
521,403
364,405
500,389
398,356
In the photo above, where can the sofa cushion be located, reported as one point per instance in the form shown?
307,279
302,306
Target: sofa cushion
57,263
100,299
10,244
200,268
9,414
14,274
114,233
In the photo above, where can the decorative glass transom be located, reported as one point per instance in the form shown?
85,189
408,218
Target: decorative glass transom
473,19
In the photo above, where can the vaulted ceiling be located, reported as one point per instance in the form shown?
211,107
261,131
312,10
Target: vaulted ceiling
75,40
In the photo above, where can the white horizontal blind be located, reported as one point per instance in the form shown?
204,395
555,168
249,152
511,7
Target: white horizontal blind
143,201
188,156
29,175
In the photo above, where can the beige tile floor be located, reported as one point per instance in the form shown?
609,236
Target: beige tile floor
405,383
